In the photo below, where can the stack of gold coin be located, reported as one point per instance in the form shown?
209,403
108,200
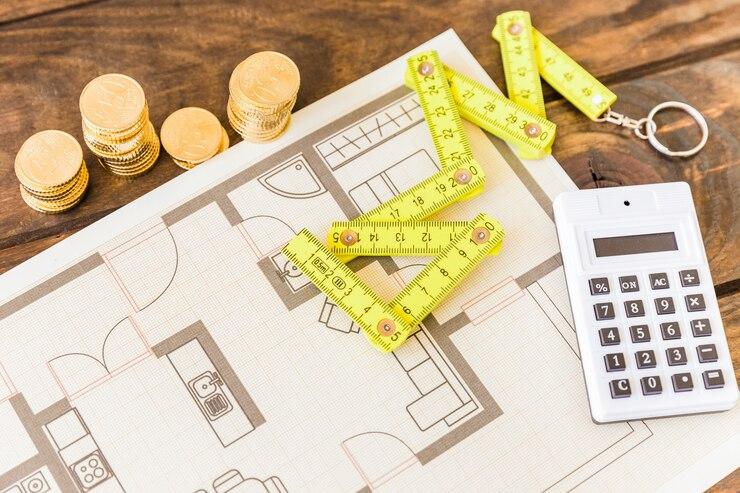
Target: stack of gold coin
51,170
193,135
116,126
262,91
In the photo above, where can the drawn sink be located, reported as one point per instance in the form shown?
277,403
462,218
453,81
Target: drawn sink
293,179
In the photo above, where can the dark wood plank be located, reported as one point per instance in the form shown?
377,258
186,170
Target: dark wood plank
21,9
600,154
183,53
730,484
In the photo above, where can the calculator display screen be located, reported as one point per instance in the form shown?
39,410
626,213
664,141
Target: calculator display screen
629,245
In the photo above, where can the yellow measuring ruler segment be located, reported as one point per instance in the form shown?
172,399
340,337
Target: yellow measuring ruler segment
431,195
389,238
435,282
567,77
531,134
388,325
385,329
520,64
440,111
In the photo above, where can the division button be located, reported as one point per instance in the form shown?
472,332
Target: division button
620,388
634,308
676,356
609,336
695,302
615,362
651,385
640,333
701,327
659,281
689,277
664,306
707,353
604,311
629,284
713,379
646,359
682,382
599,285
670,330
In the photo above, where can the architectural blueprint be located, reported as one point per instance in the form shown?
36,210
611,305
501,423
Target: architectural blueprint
172,347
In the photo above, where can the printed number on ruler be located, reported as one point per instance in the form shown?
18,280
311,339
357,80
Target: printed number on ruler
531,134
520,64
388,238
432,285
440,111
567,77
385,329
388,325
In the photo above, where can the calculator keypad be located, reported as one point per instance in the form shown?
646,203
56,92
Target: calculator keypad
639,326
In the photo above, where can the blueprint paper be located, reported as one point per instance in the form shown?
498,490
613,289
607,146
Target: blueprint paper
172,347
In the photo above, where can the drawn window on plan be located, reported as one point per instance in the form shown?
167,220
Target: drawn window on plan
145,265
393,180
370,132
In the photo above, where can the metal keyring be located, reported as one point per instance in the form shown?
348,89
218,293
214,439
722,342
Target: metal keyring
651,127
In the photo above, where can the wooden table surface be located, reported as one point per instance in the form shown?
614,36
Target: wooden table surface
183,52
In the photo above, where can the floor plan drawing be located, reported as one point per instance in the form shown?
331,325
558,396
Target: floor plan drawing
176,348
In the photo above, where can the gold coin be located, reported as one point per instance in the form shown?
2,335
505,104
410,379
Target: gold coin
191,134
48,159
112,101
266,78
105,148
60,205
224,141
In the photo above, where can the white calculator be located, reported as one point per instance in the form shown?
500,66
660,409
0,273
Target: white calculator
649,330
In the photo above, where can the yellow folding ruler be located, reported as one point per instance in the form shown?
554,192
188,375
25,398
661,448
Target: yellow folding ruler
387,325
566,76
398,239
530,133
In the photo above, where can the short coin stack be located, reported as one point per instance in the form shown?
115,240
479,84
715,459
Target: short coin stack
51,171
193,135
116,126
262,91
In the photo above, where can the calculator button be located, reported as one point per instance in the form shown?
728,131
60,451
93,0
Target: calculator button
707,353
713,379
651,385
646,359
599,285
689,277
620,388
695,302
676,356
664,306
701,327
670,330
604,311
629,284
609,336
640,333
634,308
682,382
659,281
615,362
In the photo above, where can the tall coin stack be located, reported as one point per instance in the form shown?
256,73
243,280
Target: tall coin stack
193,135
116,126
51,171
262,92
